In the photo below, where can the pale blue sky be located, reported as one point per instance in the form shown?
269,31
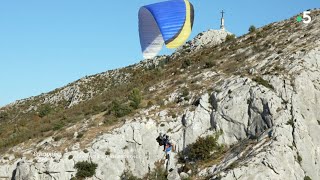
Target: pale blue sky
47,44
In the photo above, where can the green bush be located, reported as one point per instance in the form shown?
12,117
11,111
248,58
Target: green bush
185,92
80,135
150,103
127,175
230,37
110,120
135,98
119,109
263,82
252,29
70,157
203,147
290,122
58,125
209,64
85,169
57,138
299,158
4,116
159,173
307,178
108,152
186,63
44,110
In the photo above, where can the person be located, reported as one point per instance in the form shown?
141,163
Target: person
166,142
160,139
163,140
168,149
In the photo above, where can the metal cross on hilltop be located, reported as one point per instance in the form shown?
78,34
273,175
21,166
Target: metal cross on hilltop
222,12
222,21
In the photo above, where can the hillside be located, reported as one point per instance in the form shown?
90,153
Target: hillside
257,94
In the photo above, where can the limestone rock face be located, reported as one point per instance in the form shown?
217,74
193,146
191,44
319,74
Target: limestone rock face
202,40
208,38
284,121
131,147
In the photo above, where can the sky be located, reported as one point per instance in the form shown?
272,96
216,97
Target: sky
48,44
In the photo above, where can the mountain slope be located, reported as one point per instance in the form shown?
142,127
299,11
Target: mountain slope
261,90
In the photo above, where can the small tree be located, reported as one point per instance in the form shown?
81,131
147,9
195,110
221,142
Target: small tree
3,116
85,169
135,98
252,29
44,110
230,37
119,109
202,148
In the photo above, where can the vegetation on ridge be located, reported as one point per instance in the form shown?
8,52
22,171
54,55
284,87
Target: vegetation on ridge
120,96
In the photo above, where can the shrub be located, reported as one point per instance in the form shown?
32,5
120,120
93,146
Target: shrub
4,116
158,173
80,135
135,98
150,103
85,151
290,122
85,169
186,63
230,37
44,110
185,92
209,64
127,175
263,82
299,158
252,29
307,178
58,125
233,165
108,152
57,138
110,120
70,157
119,109
203,147
260,35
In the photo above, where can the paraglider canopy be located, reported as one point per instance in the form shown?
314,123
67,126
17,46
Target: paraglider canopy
168,23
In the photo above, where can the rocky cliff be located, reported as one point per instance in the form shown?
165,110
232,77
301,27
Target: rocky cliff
259,92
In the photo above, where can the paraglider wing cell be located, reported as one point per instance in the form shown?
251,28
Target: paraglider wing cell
168,22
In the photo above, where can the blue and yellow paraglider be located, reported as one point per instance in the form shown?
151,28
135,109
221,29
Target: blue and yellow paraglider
168,23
